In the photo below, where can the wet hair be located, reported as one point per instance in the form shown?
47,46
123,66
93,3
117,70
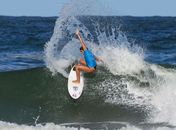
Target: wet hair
81,49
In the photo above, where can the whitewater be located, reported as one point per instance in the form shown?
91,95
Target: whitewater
125,78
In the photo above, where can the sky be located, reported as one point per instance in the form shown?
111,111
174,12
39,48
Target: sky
114,7
31,7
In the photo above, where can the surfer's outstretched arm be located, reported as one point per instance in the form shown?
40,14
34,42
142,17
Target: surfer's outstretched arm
81,40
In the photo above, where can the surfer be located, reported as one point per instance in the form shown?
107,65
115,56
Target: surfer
88,64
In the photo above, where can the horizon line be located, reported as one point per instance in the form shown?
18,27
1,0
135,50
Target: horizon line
89,15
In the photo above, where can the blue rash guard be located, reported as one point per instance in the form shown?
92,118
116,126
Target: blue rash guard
90,59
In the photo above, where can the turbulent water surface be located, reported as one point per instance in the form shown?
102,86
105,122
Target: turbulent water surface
133,89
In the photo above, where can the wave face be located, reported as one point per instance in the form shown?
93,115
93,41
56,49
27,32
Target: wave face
133,89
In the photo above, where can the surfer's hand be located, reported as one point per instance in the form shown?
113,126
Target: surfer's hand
100,60
77,32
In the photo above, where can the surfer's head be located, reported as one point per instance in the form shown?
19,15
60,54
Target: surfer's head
81,49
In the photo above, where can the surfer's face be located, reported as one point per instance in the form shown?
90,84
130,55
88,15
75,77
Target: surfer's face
81,50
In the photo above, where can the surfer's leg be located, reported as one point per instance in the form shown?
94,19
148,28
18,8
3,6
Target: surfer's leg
80,68
82,61
77,75
86,68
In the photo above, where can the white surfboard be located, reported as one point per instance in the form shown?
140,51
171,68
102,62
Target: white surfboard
75,90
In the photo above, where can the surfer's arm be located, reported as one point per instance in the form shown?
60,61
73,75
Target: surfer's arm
81,40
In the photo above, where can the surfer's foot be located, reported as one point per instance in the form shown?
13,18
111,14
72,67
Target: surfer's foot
76,81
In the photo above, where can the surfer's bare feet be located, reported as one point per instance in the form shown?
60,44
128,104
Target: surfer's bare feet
76,81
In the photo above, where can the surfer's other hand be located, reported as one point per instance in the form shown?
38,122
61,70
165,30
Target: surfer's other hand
77,32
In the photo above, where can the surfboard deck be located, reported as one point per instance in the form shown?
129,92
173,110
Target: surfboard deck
75,90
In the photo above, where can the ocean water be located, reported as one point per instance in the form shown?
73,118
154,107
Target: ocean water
134,89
